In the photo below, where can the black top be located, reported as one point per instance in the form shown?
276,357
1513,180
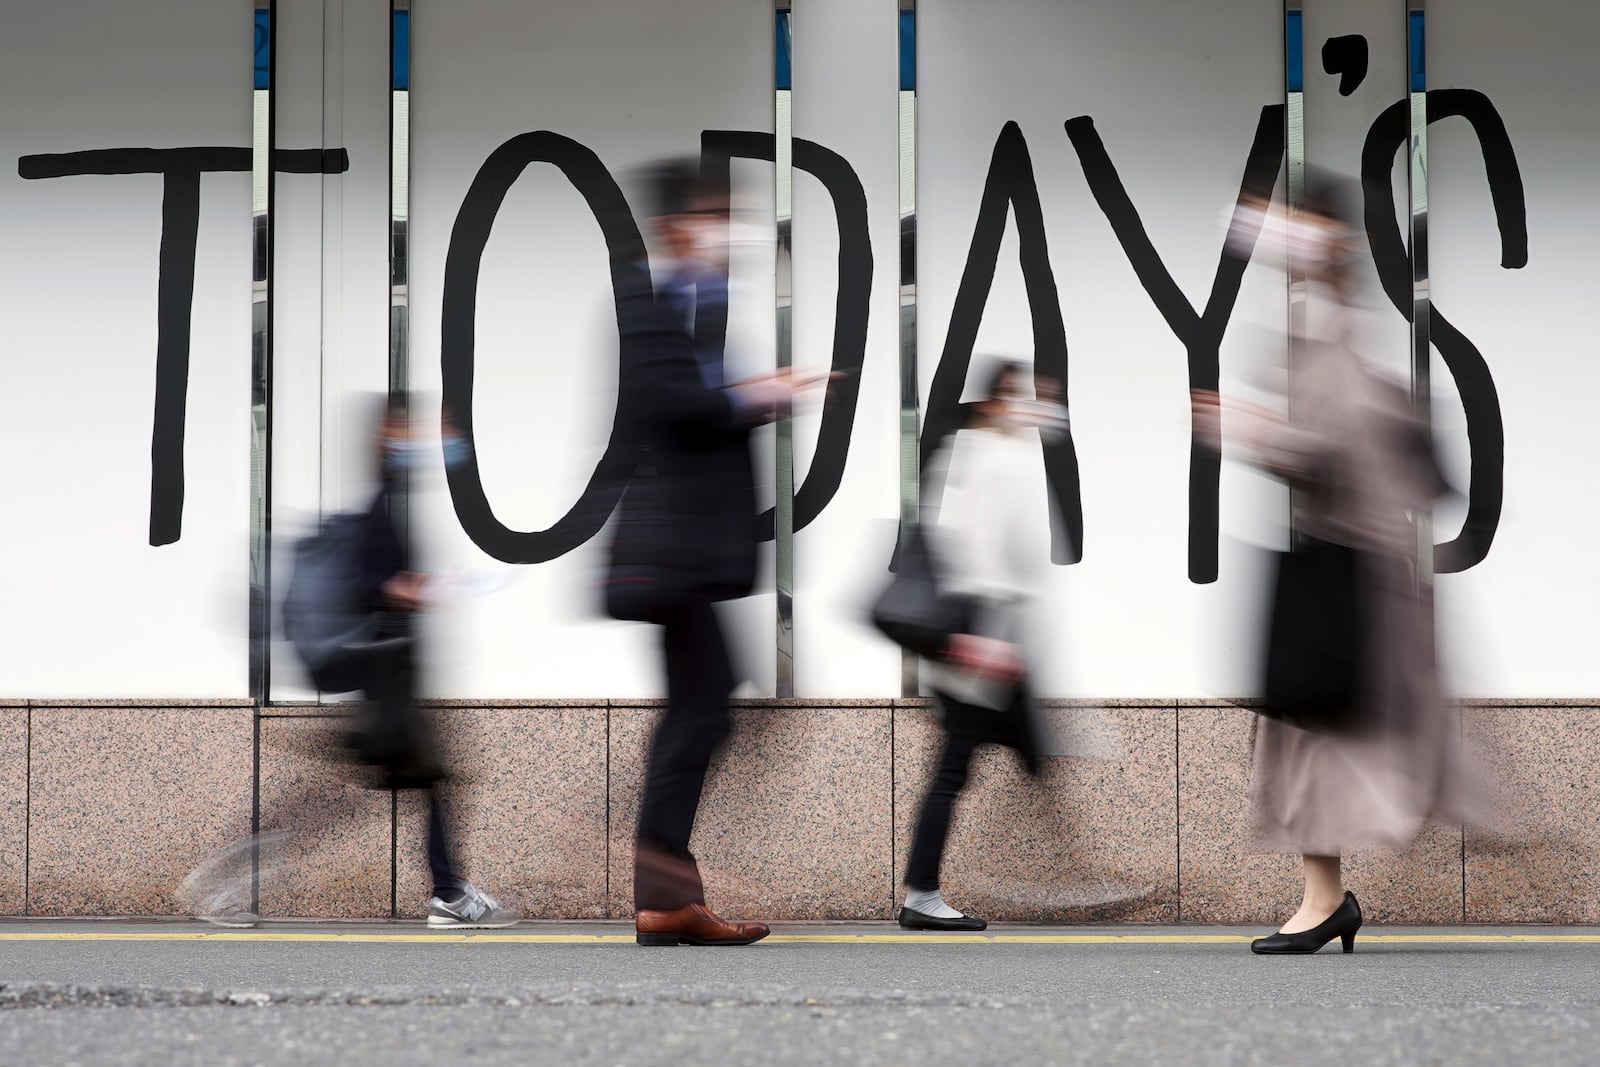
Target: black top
695,471
383,555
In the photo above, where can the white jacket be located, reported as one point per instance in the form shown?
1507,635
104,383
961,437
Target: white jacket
991,542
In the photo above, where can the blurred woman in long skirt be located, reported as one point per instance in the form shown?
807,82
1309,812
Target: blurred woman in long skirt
1362,468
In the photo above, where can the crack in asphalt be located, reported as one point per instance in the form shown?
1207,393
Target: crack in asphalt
47,995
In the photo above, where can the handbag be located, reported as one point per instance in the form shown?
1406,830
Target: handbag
1317,639
914,611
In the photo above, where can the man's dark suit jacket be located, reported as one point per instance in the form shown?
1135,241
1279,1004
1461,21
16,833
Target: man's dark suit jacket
693,488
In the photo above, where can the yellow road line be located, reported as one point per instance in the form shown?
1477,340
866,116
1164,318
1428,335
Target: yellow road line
838,939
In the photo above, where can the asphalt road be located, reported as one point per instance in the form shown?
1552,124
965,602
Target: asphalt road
97,993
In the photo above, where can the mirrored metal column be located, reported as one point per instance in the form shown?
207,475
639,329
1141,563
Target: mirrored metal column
783,510
910,396
1417,187
263,139
399,192
1294,117
399,237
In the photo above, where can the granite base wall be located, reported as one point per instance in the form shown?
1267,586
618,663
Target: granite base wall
807,814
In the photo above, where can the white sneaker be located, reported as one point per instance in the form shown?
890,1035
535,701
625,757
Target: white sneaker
472,910
233,920
218,891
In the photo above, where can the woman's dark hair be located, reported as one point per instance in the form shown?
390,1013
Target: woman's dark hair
1333,196
999,369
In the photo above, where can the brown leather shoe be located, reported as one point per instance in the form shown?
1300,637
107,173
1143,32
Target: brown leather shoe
694,924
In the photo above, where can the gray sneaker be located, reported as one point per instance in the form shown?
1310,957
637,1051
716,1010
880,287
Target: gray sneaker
472,910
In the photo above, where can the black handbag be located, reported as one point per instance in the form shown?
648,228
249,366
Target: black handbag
914,611
1317,639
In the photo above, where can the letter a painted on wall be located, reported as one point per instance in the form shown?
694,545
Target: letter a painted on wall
1010,184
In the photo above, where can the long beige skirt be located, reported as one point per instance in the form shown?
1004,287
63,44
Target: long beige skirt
1321,795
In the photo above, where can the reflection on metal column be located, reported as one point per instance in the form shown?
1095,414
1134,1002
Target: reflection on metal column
783,510
261,142
910,404
1294,117
399,192
399,236
1417,187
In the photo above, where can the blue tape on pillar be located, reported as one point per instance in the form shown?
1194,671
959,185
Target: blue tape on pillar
783,49
1293,53
908,51
400,51
263,50
1419,53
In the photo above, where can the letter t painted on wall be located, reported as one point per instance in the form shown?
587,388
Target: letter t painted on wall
180,170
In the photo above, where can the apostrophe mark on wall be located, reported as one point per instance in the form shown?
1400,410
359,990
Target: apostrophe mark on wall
1347,57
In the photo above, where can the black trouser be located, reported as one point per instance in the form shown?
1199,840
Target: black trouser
441,857
393,736
966,726
408,753
313,820
696,723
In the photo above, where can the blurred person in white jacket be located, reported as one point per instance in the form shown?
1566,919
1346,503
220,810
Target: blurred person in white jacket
990,544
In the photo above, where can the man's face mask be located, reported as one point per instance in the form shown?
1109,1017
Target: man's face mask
410,453
714,237
708,243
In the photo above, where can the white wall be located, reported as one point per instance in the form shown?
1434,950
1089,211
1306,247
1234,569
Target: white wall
633,81
91,608
1175,91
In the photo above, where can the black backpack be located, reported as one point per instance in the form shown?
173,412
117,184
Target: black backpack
331,629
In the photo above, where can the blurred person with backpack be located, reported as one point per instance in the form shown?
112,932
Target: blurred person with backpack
349,612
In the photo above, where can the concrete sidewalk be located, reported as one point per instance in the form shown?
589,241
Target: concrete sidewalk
114,991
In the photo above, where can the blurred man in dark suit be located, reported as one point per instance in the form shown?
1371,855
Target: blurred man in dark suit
686,534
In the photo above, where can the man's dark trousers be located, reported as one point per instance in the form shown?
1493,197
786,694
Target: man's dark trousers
696,723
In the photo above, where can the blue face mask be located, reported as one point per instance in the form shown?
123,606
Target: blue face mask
410,455
403,454
456,451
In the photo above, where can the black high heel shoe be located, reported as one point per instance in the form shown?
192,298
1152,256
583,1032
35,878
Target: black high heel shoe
1343,924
